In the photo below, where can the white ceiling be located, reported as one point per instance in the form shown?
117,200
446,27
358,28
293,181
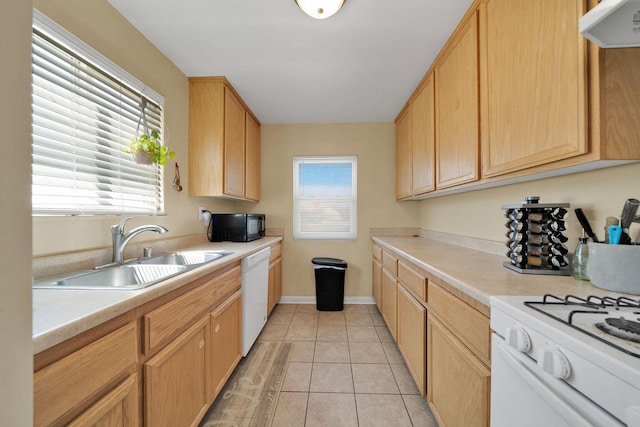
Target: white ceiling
359,65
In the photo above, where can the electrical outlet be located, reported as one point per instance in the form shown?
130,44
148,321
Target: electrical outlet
202,213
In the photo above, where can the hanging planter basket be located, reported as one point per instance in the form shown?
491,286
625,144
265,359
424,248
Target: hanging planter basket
147,148
142,158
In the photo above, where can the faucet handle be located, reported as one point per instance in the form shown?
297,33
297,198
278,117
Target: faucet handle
119,228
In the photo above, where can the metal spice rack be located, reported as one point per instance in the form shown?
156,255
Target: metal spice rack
535,238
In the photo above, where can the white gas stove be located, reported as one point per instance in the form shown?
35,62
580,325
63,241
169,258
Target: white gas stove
565,361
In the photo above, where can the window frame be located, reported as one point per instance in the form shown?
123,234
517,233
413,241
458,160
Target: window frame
52,33
352,233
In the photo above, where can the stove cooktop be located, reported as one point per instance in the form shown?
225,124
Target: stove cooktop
614,321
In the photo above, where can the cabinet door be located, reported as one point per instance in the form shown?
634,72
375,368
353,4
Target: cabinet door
535,84
458,386
376,286
252,159
389,289
234,137
275,283
119,408
177,391
457,111
403,155
226,346
412,336
423,139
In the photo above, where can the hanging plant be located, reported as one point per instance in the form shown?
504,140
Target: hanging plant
146,147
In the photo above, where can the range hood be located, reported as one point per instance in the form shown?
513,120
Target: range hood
613,23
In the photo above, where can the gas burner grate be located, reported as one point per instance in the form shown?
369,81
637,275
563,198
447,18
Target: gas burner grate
590,305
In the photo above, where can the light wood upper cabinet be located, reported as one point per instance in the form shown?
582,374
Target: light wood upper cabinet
252,159
415,143
457,108
423,138
234,149
534,83
404,162
224,142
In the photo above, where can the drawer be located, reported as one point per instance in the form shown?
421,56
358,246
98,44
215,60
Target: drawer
276,252
377,253
163,323
76,379
413,281
467,323
390,262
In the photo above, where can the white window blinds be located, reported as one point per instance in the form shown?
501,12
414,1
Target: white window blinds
85,114
325,197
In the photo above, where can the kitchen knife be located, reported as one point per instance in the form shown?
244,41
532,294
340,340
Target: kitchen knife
626,218
585,224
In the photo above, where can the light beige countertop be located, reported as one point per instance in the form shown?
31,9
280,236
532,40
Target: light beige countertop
476,275
60,314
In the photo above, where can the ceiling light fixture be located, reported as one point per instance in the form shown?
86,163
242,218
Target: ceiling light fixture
320,9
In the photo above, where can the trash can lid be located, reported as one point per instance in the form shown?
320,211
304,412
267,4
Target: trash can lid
331,262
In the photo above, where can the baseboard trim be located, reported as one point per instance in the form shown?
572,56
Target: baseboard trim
312,300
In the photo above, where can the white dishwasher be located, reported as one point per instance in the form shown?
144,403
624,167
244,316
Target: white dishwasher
255,294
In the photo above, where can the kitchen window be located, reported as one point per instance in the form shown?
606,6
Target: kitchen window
325,198
85,112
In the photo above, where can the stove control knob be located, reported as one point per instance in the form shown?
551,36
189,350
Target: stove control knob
518,338
553,362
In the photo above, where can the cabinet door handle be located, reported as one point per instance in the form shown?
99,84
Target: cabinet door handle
201,344
217,328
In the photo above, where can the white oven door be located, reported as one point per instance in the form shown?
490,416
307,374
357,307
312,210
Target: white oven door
525,396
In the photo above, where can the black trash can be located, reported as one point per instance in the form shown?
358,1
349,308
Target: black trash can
329,283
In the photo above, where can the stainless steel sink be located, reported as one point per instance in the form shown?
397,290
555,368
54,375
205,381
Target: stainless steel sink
185,258
133,275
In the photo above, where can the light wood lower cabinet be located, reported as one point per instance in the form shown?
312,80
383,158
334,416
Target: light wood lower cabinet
119,408
177,389
412,336
226,343
389,302
187,347
444,340
376,282
86,378
458,390
275,277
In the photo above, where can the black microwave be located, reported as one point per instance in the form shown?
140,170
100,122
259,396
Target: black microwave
236,227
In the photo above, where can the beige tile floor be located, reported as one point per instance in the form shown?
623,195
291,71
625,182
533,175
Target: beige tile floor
344,370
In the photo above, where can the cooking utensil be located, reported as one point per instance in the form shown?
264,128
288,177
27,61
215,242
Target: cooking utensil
611,220
626,218
584,222
615,233
176,179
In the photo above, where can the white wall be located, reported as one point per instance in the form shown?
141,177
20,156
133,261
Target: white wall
599,193
16,355
374,145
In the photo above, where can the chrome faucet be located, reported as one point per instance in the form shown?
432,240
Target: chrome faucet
120,239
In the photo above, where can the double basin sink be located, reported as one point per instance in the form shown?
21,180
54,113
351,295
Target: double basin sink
134,274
